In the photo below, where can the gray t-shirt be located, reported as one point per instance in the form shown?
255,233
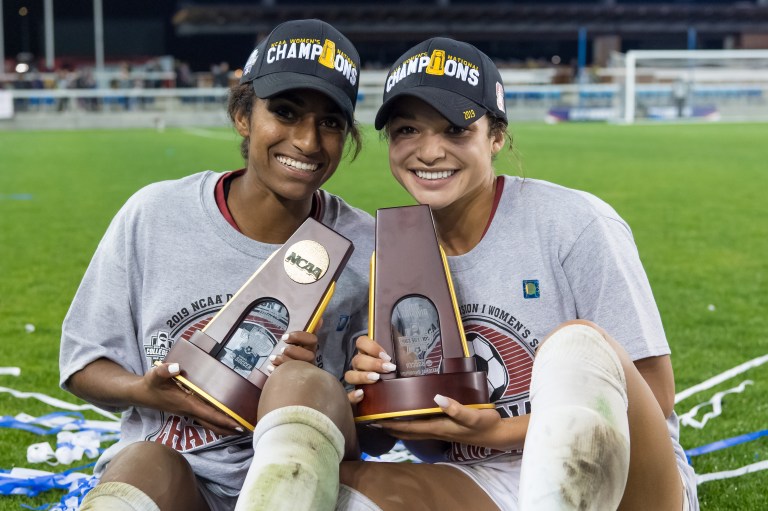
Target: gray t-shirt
168,262
551,254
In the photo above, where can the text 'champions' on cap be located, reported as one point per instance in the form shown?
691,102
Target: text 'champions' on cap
453,77
306,54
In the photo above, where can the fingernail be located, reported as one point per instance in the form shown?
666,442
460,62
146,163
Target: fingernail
284,337
388,366
282,350
377,426
384,356
173,368
441,401
358,393
270,368
239,429
373,376
272,357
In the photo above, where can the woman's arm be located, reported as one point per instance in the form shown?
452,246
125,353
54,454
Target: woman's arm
463,424
657,372
104,382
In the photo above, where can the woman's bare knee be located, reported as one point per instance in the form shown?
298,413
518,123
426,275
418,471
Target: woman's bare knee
298,383
159,471
139,458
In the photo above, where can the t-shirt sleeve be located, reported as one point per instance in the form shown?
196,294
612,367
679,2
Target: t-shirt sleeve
99,323
610,287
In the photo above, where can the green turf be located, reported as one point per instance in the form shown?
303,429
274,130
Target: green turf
695,196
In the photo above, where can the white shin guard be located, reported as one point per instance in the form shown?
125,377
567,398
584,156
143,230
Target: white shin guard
576,453
297,451
116,496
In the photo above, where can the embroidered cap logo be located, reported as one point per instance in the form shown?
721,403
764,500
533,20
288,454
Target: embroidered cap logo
251,61
436,63
329,52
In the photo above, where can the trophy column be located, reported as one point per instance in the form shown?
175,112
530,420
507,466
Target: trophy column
415,318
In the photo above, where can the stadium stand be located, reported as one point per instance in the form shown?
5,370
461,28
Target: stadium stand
556,56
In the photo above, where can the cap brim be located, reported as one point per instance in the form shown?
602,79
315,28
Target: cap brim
454,107
275,83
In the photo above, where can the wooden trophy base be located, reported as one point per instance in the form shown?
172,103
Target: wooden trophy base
226,391
414,397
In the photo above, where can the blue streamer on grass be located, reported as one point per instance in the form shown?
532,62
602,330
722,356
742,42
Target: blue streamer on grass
77,495
725,443
72,500
33,486
10,422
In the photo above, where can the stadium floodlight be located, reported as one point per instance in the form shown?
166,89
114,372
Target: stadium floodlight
683,74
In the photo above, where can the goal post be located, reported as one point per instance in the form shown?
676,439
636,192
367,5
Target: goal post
734,82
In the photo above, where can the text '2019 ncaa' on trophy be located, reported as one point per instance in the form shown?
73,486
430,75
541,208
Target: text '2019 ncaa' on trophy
225,362
414,318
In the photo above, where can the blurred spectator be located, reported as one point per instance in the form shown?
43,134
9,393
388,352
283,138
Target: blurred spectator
65,79
124,80
184,79
680,97
184,76
85,80
221,75
153,81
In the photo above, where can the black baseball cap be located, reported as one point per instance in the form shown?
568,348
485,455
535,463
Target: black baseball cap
305,54
454,78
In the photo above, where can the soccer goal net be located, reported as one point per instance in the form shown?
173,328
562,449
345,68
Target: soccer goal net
691,84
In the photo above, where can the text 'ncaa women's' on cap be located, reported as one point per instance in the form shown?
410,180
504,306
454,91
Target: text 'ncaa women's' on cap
306,54
454,78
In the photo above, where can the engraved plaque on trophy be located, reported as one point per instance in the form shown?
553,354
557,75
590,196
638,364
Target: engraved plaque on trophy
225,363
414,317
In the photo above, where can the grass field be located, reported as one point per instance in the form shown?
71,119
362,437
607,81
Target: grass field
696,197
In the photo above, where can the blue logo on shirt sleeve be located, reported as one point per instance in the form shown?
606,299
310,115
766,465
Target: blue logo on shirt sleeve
530,289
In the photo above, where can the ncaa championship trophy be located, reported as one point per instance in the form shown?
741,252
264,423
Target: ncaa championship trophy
415,319
225,363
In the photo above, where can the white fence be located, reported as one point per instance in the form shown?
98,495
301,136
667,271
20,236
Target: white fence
94,108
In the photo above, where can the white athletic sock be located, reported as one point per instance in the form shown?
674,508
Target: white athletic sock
297,451
576,453
116,496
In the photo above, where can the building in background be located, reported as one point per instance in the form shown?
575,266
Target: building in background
203,33
168,62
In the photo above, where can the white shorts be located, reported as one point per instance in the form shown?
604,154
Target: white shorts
498,477
216,501
690,494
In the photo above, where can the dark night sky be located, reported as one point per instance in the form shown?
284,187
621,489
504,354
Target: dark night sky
142,28
131,28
